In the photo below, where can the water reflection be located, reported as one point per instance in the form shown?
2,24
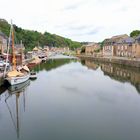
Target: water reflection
17,91
52,64
2,89
117,72
73,100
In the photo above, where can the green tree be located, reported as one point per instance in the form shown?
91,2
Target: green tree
31,38
135,33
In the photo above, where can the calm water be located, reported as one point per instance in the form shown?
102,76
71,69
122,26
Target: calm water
73,100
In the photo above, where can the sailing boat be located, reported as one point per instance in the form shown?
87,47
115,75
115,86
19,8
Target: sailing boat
20,74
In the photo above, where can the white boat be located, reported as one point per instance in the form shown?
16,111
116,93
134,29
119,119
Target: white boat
1,63
19,87
14,80
44,59
33,75
16,75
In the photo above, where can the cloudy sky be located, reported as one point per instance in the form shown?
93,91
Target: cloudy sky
79,20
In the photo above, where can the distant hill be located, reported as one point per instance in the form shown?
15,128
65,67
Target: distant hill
32,38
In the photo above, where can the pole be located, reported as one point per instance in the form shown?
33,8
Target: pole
13,51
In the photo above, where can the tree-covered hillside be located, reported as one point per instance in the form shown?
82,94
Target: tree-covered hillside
34,38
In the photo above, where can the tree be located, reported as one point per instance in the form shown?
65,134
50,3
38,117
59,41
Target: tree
135,33
31,38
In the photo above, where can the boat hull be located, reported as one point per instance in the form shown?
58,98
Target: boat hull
18,80
19,87
33,77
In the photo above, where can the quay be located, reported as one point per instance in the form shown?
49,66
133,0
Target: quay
114,60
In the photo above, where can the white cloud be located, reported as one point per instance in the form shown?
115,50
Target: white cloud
81,20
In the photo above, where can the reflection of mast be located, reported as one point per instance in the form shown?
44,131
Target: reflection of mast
16,124
17,96
17,90
24,100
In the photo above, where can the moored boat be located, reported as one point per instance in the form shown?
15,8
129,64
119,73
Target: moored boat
34,62
16,75
33,75
19,87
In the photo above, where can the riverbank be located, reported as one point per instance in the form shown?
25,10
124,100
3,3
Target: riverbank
114,60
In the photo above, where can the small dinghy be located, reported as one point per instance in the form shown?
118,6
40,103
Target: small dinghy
33,75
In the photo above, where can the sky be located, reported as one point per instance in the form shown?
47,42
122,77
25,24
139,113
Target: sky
79,20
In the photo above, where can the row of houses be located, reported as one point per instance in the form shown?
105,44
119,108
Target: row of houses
120,46
19,48
47,51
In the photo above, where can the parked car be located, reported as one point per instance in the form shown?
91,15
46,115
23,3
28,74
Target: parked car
3,63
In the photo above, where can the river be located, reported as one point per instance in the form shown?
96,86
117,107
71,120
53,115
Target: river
73,100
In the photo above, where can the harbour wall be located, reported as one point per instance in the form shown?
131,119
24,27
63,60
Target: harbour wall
125,62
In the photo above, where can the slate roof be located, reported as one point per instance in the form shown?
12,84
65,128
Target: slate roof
3,35
128,40
117,39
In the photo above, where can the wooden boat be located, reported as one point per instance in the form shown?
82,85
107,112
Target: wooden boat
33,75
34,62
31,64
16,76
19,87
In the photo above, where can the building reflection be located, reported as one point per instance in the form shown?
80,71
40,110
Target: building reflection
123,74
16,93
90,64
52,64
117,72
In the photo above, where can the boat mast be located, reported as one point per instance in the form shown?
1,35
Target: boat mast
7,56
21,53
13,51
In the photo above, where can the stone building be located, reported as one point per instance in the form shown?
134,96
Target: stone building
109,46
78,51
136,48
90,49
124,47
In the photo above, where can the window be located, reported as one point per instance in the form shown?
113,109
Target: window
125,47
118,47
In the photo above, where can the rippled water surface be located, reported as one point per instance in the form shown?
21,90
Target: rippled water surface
73,100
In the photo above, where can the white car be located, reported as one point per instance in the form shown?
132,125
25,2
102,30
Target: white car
3,63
